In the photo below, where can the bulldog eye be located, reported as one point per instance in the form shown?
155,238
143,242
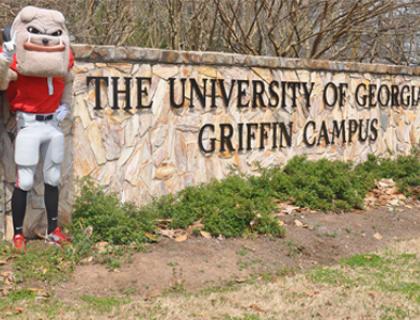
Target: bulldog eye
57,33
33,30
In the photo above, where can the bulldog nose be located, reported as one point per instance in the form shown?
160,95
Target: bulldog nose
45,41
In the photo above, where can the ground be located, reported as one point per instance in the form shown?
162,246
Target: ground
357,265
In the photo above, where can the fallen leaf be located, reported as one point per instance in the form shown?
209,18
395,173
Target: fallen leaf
394,202
391,191
2,262
5,274
163,223
311,293
4,292
205,234
289,209
370,200
170,233
101,246
298,223
150,236
86,260
377,236
385,184
197,225
385,194
19,309
39,292
257,308
181,237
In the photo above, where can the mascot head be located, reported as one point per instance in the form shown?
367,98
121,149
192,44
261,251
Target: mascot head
42,42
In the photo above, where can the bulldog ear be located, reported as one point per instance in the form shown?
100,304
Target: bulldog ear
58,17
27,14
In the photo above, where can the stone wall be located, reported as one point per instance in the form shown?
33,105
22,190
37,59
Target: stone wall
141,154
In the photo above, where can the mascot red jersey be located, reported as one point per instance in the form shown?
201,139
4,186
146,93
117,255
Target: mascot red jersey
35,73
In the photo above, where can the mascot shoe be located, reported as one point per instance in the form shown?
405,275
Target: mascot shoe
19,243
57,237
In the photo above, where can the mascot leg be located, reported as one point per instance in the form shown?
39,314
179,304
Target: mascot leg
51,204
28,141
24,183
53,152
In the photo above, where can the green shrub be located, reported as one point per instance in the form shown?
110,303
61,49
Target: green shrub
225,208
404,170
322,184
111,220
239,204
268,224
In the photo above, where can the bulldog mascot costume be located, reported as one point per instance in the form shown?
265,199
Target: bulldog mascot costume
35,68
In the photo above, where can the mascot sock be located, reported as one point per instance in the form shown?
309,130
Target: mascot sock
18,209
51,204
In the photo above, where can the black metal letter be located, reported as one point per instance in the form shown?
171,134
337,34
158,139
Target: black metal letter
97,81
212,140
142,91
172,93
127,91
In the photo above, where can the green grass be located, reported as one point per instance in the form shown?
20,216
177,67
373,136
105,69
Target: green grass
227,286
16,298
243,251
393,313
20,294
175,289
5,250
388,273
103,304
329,276
51,264
293,249
42,263
364,260
114,255
394,274
41,266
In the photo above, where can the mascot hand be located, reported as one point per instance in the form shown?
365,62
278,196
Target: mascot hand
62,112
9,48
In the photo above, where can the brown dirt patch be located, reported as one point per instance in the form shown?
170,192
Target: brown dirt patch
199,263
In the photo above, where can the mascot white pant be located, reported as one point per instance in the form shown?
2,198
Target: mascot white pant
36,140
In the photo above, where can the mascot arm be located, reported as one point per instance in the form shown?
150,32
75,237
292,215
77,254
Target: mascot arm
6,74
7,52
67,97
